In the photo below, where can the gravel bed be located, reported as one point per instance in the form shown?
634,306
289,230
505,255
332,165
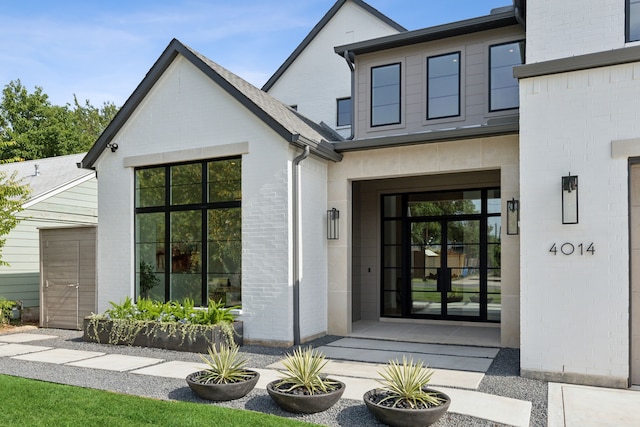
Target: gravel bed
501,379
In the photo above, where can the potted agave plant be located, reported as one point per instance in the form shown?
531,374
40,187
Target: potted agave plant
303,388
404,399
226,377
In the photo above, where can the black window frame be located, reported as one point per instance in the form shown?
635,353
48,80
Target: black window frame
627,21
350,111
489,88
167,208
459,54
399,120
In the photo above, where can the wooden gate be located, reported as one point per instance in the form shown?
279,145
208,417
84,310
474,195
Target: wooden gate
68,276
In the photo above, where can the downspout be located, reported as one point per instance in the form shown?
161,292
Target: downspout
519,12
350,58
296,245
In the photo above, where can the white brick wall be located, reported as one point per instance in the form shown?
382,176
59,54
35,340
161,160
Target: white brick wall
186,110
575,308
565,28
318,77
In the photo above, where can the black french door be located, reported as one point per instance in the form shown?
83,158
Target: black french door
441,255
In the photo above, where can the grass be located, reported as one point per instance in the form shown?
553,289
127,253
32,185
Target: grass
26,402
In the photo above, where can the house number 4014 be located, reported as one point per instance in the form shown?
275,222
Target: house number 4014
570,249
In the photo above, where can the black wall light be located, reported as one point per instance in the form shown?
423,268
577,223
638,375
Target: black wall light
570,199
333,224
513,217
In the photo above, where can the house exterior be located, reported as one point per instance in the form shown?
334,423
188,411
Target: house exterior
347,21
435,151
492,180
61,196
579,117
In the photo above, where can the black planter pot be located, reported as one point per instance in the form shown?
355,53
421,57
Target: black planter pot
399,417
222,392
305,404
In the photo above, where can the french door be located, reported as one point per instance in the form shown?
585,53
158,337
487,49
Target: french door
441,255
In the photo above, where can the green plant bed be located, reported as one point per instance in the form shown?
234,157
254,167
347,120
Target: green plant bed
171,325
169,336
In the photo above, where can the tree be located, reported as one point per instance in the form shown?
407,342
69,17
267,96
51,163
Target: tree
12,197
32,128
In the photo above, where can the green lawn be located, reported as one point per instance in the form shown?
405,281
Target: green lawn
26,402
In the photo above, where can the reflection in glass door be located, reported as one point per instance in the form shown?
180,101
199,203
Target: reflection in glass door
445,268
441,255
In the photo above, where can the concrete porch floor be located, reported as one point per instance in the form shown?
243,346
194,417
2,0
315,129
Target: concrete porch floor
429,333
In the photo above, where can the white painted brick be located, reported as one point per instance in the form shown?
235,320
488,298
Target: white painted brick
569,126
558,29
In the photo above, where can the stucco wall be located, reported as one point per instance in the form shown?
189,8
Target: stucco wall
575,307
188,117
496,153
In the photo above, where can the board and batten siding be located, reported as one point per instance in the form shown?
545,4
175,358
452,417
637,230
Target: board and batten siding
20,280
474,82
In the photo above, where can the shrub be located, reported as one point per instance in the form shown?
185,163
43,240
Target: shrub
5,310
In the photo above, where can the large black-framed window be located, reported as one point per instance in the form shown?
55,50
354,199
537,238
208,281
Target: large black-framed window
385,94
343,106
632,22
503,87
188,231
443,86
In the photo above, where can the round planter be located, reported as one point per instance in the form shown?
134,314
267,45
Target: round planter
305,404
222,392
400,417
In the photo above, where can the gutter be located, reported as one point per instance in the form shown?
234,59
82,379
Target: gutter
350,58
296,244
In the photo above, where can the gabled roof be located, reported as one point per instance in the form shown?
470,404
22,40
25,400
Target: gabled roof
503,17
319,26
290,125
55,174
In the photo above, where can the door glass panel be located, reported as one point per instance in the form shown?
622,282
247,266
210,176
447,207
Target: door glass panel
392,206
445,203
463,262
426,250
494,294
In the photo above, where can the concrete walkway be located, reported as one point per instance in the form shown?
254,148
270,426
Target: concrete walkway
358,376
580,406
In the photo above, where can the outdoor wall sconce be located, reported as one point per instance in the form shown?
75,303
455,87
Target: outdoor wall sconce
333,224
513,217
113,146
570,199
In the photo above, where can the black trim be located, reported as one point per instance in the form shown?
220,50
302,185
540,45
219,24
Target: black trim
318,147
469,26
316,30
607,58
459,53
444,283
399,64
338,124
522,56
203,207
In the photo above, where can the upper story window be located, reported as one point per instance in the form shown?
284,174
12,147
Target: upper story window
633,20
443,86
503,87
344,112
385,95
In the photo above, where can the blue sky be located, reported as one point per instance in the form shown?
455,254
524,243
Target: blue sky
100,51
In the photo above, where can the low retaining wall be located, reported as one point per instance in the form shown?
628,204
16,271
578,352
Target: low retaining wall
169,336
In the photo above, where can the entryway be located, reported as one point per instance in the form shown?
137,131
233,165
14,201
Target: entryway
634,220
68,276
441,255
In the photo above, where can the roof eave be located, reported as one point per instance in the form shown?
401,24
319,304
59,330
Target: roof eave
316,30
482,131
468,26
